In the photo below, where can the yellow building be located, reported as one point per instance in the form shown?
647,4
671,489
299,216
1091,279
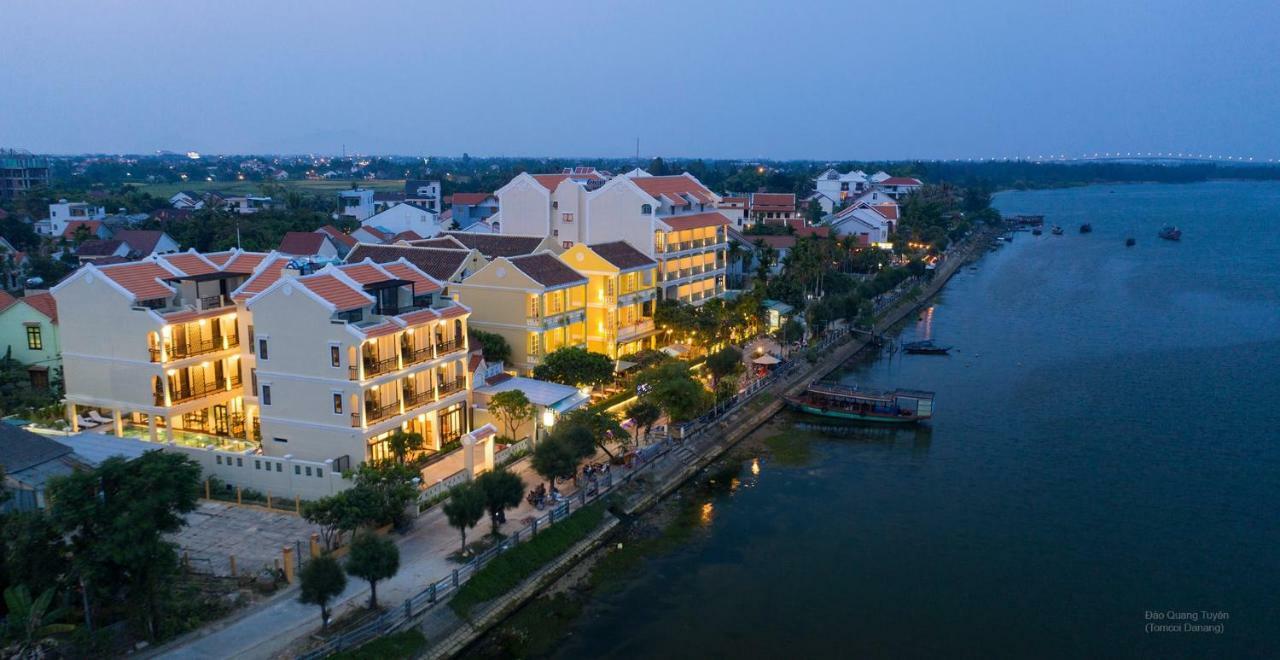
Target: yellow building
621,293
536,302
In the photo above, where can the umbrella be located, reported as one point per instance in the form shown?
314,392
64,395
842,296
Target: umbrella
766,360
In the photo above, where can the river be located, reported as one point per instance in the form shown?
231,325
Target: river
1104,456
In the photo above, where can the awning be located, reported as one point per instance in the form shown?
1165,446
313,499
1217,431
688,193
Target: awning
569,403
676,350
622,365
766,359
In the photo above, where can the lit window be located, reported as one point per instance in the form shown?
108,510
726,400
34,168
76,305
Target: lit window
566,218
335,356
337,403
34,341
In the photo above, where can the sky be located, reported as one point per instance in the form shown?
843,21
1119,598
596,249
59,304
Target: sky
850,80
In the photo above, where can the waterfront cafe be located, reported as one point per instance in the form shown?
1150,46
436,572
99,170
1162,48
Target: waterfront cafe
550,400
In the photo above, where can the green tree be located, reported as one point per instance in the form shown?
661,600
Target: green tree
35,553
513,408
30,621
464,508
115,518
373,558
322,580
676,391
575,366
553,459
494,346
644,414
401,442
339,514
724,362
390,488
602,425
502,490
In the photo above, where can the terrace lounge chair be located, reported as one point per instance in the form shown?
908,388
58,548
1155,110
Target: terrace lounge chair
93,414
87,423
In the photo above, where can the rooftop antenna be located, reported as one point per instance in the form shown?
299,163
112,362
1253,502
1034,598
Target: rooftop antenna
637,149
237,233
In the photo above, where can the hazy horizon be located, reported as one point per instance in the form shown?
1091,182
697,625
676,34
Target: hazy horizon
751,80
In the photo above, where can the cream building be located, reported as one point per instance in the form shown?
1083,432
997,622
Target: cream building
621,294
673,219
536,302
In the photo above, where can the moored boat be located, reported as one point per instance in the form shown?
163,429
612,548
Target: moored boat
925,347
836,401
1057,231
1170,233
1086,228
1130,242
1037,231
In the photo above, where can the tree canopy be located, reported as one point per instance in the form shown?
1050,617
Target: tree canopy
575,366
373,558
322,580
464,508
513,408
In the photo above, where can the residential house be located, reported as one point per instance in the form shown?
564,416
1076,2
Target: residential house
14,265
467,209
550,401
146,242
673,219
425,194
356,204
621,295
75,229
247,204
735,209
96,249
21,171
29,334
832,188
408,216
62,214
864,222
371,234
494,245
535,301
187,200
308,244
342,241
772,208
29,461
898,187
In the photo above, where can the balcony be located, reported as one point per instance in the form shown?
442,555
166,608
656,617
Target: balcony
188,349
635,330
212,302
449,387
696,244
449,346
374,413
415,399
374,367
182,394
415,355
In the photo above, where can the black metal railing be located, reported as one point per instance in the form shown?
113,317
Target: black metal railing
374,367
450,386
193,348
416,355
415,399
186,393
374,413
448,345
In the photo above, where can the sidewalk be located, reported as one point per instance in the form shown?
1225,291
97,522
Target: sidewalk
424,559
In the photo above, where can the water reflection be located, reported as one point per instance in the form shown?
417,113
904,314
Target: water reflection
706,514
924,323
919,437
755,467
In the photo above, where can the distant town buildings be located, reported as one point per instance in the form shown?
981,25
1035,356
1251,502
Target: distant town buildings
21,171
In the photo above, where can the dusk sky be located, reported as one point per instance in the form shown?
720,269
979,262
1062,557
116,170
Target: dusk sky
740,79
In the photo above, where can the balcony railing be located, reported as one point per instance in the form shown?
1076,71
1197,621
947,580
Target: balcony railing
415,399
213,302
449,346
374,367
690,245
451,386
188,393
374,413
416,355
193,348
635,329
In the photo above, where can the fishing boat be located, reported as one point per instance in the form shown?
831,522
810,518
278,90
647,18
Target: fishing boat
1086,228
1130,242
836,401
1057,231
1037,231
1171,233
925,347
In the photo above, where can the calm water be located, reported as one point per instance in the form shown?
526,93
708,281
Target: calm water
1105,444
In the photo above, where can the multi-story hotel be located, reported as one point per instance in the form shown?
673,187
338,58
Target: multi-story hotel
247,350
536,302
673,219
621,293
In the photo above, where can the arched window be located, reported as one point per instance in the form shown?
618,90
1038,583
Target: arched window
646,209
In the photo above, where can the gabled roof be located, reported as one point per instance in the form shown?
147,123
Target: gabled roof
550,181
407,235
889,211
98,247
267,273
547,270
442,241
243,263
190,263
338,237
44,303
496,245
336,292
365,272
91,226
21,449
422,283
440,264
143,279
142,241
302,243
6,300
901,181
695,220
776,202
621,255
376,232
675,185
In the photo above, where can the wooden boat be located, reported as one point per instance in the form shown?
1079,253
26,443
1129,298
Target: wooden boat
1171,234
1057,231
925,347
1037,231
836,401
1086,228
1130,242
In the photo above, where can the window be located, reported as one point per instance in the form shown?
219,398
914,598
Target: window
567,244
266,397
34,341
646,209
218,459
252,343
239,462
555,205
297,469
308,470
280,466
262,348
337,403
335,355
566,218
257,465
555,232
319,472
253,378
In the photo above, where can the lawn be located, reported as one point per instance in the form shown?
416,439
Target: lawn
406,645
512,567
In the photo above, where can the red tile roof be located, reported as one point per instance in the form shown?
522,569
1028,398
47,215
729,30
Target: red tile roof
302,243
418,316
496,245
407,235
680,183
547,270
445,242
143,279
44,303
802,232
379,330
6,300
335,291
550,181
338,236
190,263
696,220
453,310
266,275
142,241
242,262
901,181
621,255
889,211
773,202
219,259
439,263
364,273
91,226
471,199
422,283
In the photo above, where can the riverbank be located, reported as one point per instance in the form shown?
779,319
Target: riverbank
664,515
